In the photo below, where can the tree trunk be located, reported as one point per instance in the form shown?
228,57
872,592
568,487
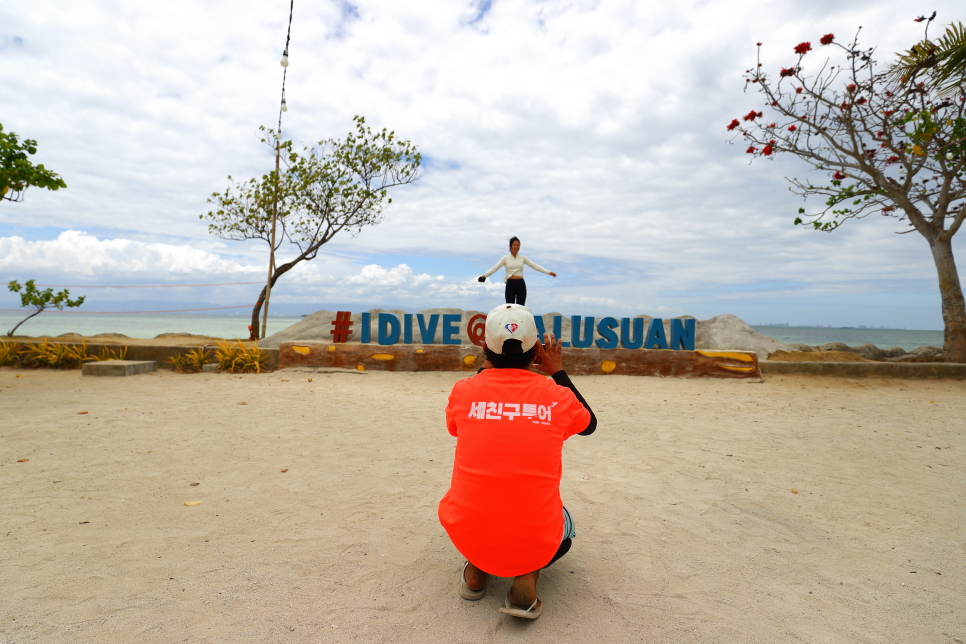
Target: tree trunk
279,271
254,327
14,329
954,306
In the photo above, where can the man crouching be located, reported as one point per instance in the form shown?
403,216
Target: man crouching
503,510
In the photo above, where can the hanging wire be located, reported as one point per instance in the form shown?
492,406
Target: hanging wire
288,37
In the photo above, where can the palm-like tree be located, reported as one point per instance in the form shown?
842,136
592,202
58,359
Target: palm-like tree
944,60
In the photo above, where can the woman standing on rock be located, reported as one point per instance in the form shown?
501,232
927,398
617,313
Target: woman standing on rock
516,288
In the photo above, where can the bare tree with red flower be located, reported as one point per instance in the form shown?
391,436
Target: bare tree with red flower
876,146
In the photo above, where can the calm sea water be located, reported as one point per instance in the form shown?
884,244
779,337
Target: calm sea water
55,323
882,338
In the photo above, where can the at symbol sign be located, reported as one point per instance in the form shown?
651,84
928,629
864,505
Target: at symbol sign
476,329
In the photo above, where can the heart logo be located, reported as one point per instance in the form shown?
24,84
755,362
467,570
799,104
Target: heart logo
511,327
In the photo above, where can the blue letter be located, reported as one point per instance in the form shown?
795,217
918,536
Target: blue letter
682,334
388,329
451,324
655,335
365,329
605,328
557,321
427,334
626,340
575,338
538,320
408,328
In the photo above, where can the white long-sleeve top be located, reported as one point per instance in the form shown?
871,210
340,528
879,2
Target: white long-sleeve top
514,266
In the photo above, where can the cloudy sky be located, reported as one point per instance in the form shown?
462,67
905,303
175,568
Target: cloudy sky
593,130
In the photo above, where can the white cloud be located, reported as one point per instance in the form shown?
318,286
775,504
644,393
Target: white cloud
402,275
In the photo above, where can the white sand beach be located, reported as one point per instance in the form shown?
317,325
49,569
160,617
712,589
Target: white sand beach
802,509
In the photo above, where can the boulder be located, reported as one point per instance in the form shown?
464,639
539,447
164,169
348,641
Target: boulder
730,332
894,352
927,352
869,351
835,346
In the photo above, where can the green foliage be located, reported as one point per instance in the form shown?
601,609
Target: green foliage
318,192
942,62
238,358
17,173
31,297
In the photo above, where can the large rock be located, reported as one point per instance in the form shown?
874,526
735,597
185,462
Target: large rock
869,351
730,332
835,346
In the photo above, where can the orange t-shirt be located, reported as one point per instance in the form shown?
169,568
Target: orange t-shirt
503,510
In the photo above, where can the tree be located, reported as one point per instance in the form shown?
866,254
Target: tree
942,62
877,146
30,297
341,185
17,173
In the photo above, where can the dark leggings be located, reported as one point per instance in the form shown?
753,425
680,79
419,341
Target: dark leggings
516,292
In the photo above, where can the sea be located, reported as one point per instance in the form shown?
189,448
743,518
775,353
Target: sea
143,325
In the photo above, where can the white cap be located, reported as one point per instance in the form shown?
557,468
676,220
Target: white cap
510,322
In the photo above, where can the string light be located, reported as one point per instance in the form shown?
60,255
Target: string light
284,60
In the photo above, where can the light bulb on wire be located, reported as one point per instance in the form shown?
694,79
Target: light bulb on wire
284,105
284,61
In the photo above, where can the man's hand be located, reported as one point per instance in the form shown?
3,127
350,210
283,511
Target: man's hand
550,359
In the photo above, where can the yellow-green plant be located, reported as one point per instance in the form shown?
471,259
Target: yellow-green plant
238,358
180,362
52,354
198,358
109,354
34,355
9,353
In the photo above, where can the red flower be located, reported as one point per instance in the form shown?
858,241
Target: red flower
845,105
767,150
734,123
802,48
751,116
792,128
850,88
880,134
838,176
751,150
798,90
919,19
759,44
787,71
862,101
827,39
892,159
888,113
771,125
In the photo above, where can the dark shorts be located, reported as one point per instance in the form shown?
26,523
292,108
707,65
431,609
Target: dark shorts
569,532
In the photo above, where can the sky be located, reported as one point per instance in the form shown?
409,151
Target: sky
592,130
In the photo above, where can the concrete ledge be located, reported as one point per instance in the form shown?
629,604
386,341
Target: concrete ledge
741,365
922,370
119,367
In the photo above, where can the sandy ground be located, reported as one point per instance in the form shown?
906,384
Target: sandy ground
803,509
